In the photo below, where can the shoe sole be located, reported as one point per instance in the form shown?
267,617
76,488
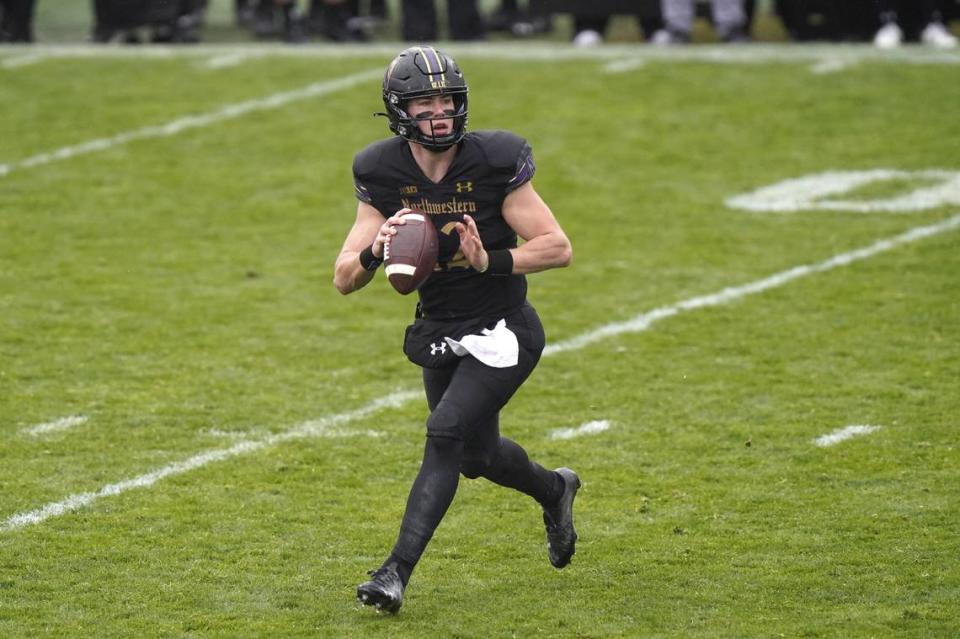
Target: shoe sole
379,600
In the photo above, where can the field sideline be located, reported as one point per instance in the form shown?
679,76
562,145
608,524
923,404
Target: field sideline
752,362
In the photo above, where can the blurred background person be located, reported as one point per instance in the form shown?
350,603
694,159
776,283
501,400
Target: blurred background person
589,29
509,17
729,20
16,20
274,19
166,21
927,16
337,20
806,20
334,20
592,18
419,18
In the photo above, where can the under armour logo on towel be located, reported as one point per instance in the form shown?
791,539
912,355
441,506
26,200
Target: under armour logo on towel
438,347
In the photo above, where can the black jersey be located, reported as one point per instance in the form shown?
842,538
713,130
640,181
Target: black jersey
487,167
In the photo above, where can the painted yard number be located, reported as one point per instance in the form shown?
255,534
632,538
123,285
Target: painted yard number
837,191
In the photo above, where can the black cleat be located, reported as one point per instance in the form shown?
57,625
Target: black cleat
384,590
561,537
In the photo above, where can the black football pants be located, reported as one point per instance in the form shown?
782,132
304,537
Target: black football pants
463,437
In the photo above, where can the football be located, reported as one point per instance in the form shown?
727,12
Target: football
410,256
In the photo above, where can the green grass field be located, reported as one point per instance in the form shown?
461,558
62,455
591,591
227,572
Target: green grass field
230,472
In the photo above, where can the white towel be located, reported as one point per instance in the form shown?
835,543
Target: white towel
496,348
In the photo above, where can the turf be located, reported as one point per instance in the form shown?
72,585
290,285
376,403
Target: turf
176,291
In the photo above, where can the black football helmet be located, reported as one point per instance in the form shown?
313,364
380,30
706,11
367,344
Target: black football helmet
418,72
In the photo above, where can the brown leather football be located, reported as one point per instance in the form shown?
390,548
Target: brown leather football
410,256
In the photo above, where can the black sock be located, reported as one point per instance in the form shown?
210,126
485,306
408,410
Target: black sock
429,498
559,487
404,567
513,468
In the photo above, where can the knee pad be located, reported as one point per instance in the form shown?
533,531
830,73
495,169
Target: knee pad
445,421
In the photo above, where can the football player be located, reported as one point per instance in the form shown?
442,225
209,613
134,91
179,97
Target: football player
475,335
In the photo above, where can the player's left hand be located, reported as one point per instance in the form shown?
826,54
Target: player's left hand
471,245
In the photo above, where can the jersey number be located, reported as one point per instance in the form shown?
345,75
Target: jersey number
459,260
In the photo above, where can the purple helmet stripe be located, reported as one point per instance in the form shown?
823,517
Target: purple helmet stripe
433,60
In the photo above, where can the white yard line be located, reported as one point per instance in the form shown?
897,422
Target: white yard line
843,434
323,425
825,191
21,60
64,423
179,125
620,58
644,321
228,59
789,53
590,428
332,433
831,65
624,65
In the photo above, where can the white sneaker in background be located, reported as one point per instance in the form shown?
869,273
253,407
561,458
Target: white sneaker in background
587,38
661,38
668,38
936,35
890,36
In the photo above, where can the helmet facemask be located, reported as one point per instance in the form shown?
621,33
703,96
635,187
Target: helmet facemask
422,72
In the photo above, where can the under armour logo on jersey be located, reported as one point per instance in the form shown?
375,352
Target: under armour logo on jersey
436,347
464,187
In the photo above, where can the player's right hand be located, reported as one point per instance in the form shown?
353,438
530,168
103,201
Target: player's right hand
386,231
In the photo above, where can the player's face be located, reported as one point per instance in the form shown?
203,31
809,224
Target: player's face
433,114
